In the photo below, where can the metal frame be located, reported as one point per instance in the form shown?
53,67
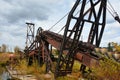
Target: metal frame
65,62
39,51
93,14
30,33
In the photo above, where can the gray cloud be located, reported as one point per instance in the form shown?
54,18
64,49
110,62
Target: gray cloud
14,14
18,10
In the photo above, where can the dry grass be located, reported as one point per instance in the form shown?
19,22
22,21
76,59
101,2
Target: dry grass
39,72
108,70
4,57
75,75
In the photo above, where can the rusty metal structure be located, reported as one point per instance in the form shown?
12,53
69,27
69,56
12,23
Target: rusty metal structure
30,33
92,15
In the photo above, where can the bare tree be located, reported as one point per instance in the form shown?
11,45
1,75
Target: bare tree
0,49
16,49
4,48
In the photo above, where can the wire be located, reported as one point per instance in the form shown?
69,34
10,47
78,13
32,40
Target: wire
58,21
113,12
74,15
111,6
110,9
61,29
110,12
65,25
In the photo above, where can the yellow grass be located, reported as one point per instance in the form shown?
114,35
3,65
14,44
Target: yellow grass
40,71
4,57
108,70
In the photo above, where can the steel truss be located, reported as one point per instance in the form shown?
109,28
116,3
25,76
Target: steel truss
93,13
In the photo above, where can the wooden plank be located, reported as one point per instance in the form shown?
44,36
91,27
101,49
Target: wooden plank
18,74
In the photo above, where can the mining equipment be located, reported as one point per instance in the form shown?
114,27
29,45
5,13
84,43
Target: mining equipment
91,14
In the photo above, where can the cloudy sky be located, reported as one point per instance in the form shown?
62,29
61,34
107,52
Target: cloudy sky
44,13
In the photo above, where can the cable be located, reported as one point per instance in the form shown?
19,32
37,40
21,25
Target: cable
61,29
110,9
111,6
114,14
58,21
74,15
110,12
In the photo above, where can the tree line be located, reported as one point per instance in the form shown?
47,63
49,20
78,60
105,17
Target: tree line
5,48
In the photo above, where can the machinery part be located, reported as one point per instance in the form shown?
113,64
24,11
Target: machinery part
91,16
39,49
69,46
30,34
117,18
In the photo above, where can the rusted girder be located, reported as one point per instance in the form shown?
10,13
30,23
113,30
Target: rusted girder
85,58
55,40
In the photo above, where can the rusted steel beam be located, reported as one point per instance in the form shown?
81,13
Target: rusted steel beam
85,58
55,40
